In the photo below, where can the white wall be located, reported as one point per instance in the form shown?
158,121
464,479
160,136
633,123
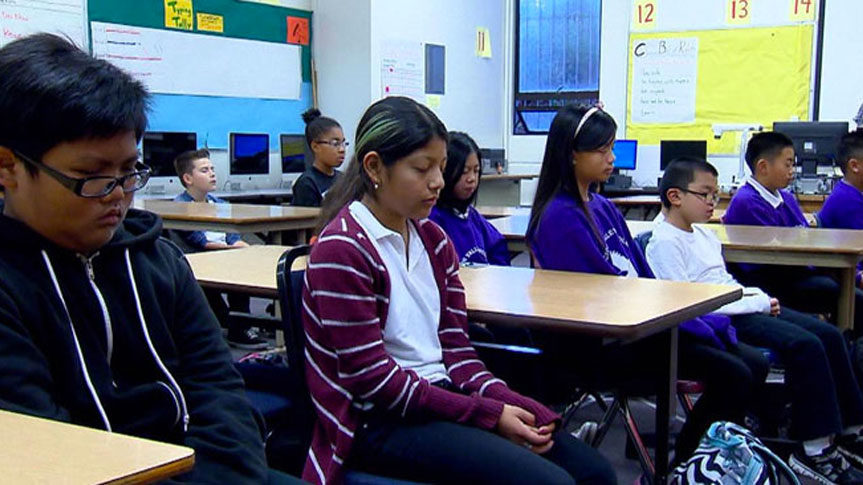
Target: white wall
842,71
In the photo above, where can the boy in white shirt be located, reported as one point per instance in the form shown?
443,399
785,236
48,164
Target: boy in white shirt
826,401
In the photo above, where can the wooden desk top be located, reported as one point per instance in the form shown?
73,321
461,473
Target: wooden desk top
586,303
535,298
43,451
636,200
229,213
491,212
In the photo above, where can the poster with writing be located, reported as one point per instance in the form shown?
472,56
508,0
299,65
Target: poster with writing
403,69
178,14
664,80
19,18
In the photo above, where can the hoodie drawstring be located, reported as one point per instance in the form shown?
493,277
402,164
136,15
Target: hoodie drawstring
150,343
84,371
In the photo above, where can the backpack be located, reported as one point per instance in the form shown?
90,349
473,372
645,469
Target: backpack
730,454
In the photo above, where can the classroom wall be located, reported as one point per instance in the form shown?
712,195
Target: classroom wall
348,39
842,71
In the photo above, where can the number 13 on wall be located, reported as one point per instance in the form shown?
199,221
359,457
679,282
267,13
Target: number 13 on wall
803,10
738,12
644,14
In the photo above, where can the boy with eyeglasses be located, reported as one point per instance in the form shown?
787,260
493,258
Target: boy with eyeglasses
827,405
102,323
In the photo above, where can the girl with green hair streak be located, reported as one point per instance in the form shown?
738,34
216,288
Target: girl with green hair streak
397,387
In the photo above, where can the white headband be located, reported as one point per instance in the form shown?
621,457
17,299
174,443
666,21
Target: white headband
583,120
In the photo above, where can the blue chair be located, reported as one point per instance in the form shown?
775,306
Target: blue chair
290,273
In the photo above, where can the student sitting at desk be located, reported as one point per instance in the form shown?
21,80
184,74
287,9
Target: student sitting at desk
844,208
475,240
573,229
826,401
399,389
327,142
762,201
102,323
198,176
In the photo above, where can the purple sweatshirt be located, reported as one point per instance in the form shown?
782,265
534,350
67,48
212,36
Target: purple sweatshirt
475,240
564,240
749,208
843,209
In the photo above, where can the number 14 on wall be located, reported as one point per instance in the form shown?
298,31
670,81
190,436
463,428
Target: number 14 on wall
802,10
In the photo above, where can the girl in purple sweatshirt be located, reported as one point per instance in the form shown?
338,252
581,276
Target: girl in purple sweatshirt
475,240
574,229
397,386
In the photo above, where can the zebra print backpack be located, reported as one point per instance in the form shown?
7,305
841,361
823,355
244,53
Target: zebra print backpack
730,454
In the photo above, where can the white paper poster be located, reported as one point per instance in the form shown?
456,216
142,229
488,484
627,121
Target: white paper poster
403,69
664,80
20,18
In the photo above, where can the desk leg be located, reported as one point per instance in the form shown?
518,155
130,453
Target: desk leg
846,298
276,238
665,402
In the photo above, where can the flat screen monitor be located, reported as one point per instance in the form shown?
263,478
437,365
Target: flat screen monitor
293,148
625,154
815,142
160,148
671,149
250,154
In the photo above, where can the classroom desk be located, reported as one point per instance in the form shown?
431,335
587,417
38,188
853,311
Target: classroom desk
513,228
238,218
530,298
44,451
269,195
649,203
492,212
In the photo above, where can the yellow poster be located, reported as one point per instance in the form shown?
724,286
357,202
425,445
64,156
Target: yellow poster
211,23
433,101
483,42
178,14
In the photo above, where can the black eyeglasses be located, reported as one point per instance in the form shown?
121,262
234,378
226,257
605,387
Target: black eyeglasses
335,143
710,198
97,186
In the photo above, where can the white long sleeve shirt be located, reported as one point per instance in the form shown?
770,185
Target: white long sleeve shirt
675,254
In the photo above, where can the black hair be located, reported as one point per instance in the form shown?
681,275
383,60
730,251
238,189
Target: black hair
317,125
393,127
766,145
851,146
52,92
460,146
185,162
680,173
557,174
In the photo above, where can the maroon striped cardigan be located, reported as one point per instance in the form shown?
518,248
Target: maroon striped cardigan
345,301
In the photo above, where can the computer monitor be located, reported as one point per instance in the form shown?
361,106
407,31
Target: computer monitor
250,154
625,154
815,142
293,149
671,149
160,148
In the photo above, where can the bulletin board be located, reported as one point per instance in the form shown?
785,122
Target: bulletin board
232,37
740,75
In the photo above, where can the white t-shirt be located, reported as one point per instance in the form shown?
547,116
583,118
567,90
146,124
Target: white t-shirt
696,256
413,319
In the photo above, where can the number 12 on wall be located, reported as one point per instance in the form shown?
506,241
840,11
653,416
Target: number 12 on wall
803,10
644,14
738,12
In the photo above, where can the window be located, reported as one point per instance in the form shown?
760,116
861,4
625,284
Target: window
556,59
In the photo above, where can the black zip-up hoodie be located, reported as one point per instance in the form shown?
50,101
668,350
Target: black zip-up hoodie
123,340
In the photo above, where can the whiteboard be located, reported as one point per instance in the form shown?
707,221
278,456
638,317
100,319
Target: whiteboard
19,18
195,64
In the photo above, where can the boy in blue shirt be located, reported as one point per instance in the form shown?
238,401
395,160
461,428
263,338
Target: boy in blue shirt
762,201
198,176
102,323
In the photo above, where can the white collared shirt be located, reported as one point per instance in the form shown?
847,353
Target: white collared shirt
774,199
413,319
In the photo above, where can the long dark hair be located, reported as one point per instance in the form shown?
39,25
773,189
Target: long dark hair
460,146
394,127
557,172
